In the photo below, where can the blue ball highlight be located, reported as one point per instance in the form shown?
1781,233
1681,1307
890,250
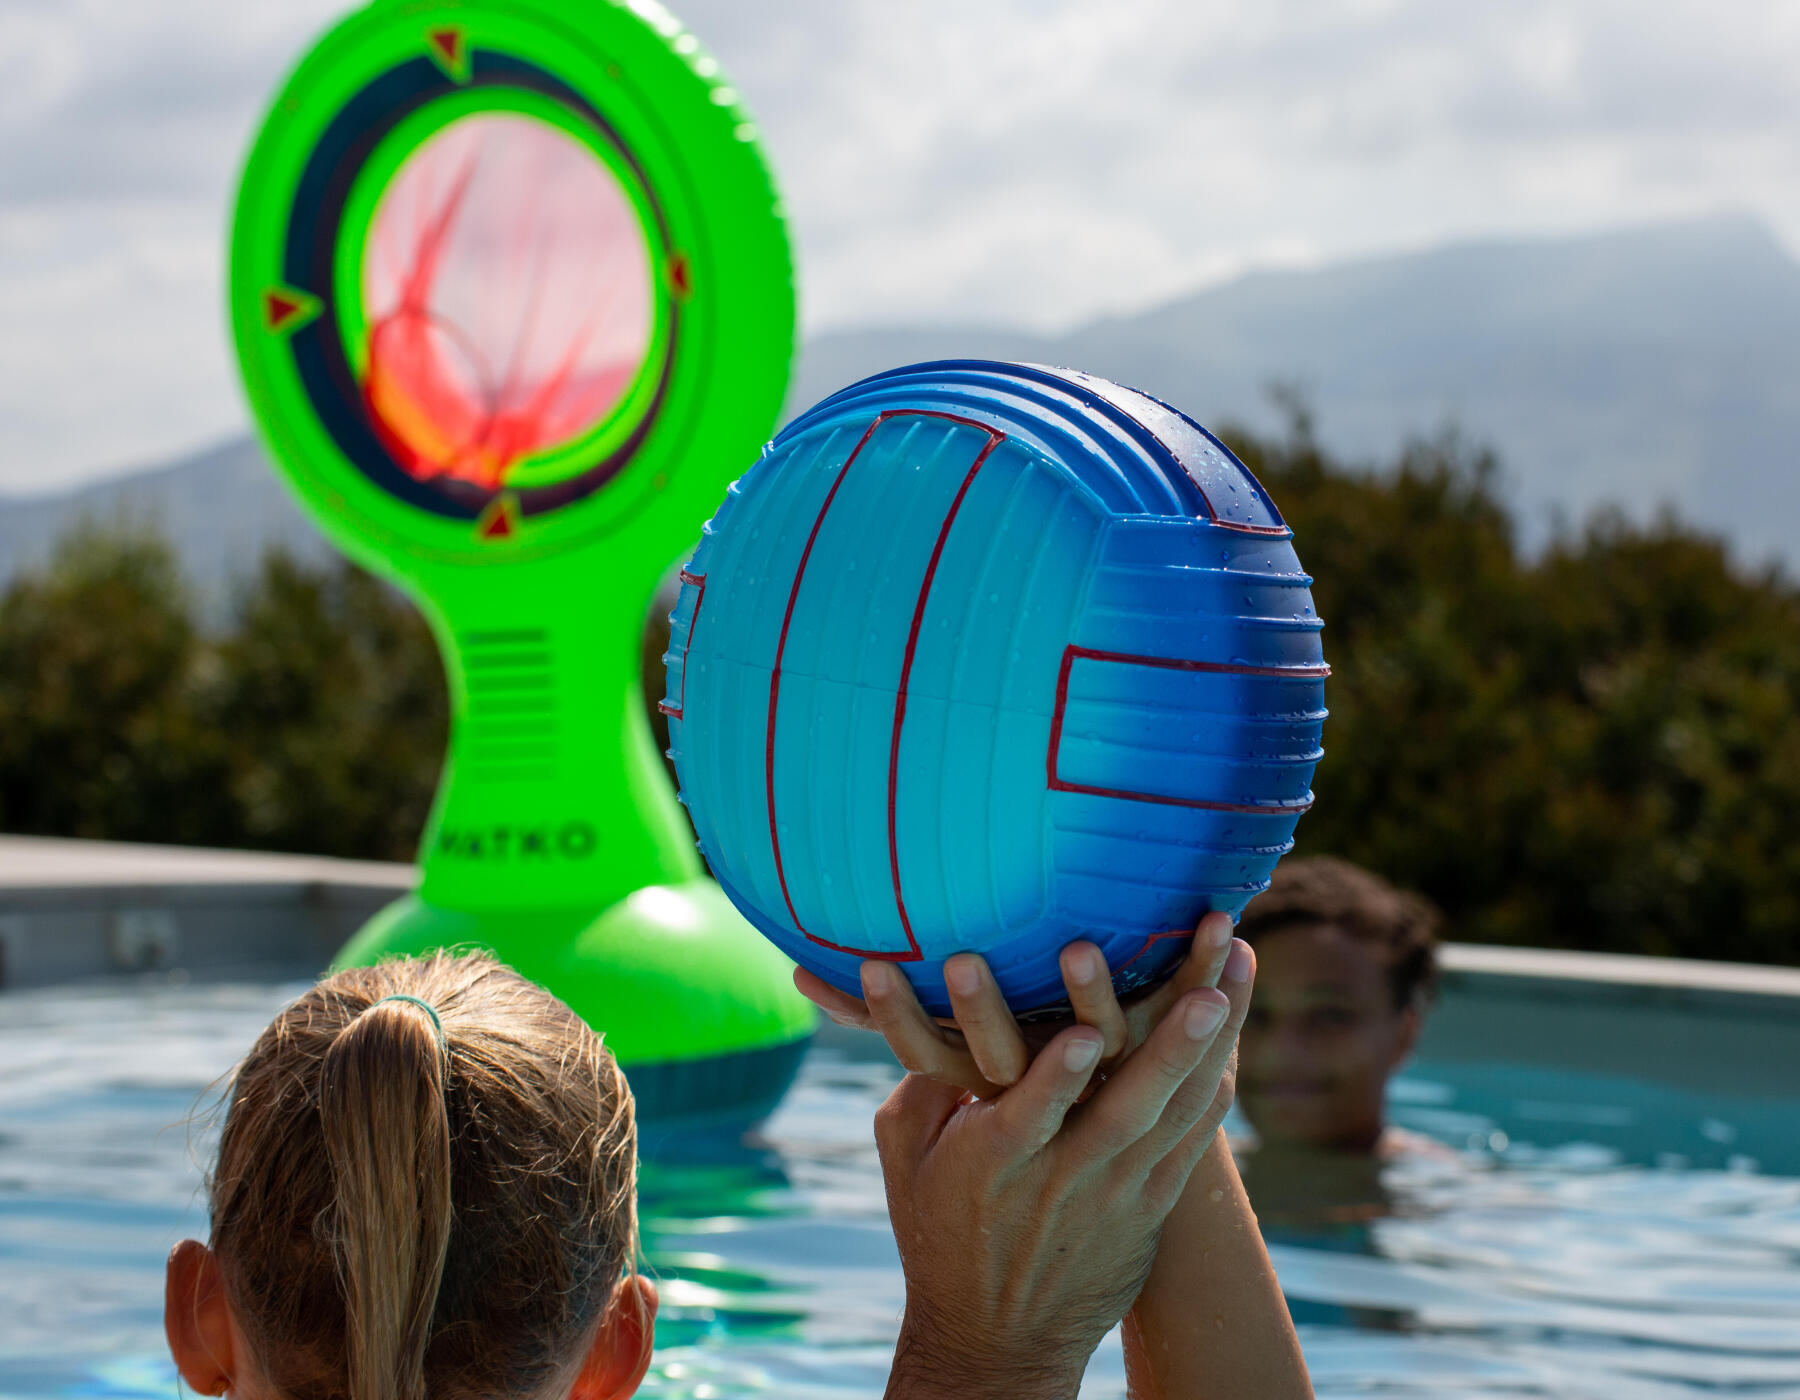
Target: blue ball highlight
993,657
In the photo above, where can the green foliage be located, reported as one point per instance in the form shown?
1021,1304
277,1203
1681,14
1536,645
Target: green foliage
1594,748
330,685
102,731
315,722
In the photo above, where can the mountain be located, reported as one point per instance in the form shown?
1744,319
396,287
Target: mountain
221,508
1651,366
1657,365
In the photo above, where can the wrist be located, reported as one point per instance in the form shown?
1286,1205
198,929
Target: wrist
931,1363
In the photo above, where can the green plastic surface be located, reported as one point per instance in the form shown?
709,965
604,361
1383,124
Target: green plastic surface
554,807
682,943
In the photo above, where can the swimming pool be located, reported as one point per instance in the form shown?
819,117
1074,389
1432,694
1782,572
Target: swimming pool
1591,1235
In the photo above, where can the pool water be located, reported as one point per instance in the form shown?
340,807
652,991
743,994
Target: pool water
1584,1237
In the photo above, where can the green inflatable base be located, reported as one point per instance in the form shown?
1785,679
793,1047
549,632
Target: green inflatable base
683,1102
698,1008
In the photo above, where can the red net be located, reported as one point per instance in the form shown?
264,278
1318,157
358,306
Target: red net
507,290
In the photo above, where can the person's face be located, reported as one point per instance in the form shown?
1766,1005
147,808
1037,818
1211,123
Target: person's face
1321,1039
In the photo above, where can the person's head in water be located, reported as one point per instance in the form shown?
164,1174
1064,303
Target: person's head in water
1346,966
425,1186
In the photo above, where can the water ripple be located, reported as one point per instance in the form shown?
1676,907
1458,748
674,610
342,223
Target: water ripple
1587,1240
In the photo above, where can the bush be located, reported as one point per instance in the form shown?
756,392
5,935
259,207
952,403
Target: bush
315,722
330,688
102,714
1595,749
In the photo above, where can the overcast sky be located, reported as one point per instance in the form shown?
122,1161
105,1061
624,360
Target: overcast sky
1029,161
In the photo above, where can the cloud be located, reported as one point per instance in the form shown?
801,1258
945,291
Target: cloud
1024,161
1049,161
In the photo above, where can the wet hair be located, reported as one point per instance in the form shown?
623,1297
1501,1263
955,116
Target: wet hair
1401,926
400,1209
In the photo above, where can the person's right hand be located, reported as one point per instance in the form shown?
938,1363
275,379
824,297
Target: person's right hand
1027,1223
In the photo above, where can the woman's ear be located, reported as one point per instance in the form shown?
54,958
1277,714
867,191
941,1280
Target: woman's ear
620,1356
197,1319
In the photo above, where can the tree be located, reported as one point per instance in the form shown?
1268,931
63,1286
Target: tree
331,692
316,722
1595,749
101,730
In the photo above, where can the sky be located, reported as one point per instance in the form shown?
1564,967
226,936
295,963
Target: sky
1026,162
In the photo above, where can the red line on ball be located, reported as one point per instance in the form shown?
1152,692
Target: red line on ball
775,675
913,953
1057,783
1300,671
995,438
1153,938
1212,511
1246,529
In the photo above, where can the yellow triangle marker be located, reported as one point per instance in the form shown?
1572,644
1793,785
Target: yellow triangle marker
500,519
286,309
449,49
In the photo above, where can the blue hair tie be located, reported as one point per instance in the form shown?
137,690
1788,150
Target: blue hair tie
437,1024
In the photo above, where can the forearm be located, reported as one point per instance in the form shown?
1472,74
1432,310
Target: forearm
1210,1323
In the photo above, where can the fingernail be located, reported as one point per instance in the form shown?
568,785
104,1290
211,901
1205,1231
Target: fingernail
1080,1054
962,977
1219,935
1201,1019
875,979
1086,965
1240,963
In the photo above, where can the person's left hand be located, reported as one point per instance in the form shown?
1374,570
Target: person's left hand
984,1049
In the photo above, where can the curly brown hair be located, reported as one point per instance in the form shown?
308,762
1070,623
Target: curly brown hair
425,1185
1403,927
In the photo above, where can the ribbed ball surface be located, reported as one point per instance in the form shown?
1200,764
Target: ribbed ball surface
990,657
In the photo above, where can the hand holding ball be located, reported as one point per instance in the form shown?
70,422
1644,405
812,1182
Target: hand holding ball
987,658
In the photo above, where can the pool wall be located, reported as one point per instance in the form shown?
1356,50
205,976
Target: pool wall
78,909
1705,1026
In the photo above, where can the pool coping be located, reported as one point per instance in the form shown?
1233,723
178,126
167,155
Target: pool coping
1620,969
52,864
94,907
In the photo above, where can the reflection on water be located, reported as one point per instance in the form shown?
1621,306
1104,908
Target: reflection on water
1588,1238
1571,1275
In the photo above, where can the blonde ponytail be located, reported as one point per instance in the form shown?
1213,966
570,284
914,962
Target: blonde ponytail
355,1134
387,1135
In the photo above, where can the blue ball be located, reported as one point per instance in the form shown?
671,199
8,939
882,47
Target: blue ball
992,657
